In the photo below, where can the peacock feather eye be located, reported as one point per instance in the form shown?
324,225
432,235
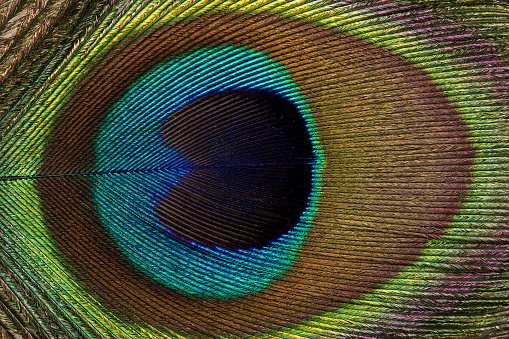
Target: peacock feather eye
254,169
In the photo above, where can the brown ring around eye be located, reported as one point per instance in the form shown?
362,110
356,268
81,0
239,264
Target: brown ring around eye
397,166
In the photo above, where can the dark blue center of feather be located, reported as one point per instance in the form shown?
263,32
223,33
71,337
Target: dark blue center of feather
250,176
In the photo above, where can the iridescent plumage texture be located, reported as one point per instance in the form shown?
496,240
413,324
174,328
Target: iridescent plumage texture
254,169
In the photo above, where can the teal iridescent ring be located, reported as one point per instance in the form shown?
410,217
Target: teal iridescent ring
126,202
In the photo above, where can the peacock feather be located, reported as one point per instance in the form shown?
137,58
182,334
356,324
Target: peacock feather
254,169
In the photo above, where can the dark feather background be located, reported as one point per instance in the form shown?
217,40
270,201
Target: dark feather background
258,169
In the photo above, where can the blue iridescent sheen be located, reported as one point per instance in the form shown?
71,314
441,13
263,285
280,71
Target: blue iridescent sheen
129,140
